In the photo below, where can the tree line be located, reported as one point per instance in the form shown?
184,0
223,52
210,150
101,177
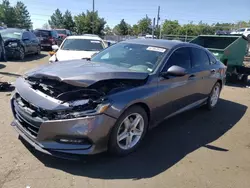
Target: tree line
15,16
91,22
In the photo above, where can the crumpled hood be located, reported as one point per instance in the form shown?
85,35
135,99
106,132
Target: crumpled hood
8,40
64,55
84,73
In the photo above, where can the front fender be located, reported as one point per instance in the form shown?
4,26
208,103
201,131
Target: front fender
121,101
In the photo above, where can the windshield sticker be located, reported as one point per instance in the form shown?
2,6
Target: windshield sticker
149,69
156,49
15,33
95,41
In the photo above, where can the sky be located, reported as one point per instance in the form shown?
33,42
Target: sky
208,11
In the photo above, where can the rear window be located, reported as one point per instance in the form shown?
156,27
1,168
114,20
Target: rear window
82,45
42,33
61,31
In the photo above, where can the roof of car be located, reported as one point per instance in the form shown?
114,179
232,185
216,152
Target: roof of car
84,37
154,42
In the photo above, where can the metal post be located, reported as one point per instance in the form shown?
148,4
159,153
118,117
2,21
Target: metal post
158,17
160,31
153,28
93,24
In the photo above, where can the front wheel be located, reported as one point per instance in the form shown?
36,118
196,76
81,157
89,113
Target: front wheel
214,96
21,54
128,131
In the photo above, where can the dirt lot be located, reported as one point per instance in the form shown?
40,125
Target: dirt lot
195,149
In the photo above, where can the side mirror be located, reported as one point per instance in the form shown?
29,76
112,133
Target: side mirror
55,47
174,71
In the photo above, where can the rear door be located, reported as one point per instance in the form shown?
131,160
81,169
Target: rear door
34,41
205,71
27,42
176,93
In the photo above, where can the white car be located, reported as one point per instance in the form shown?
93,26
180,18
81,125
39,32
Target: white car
78,47
242,31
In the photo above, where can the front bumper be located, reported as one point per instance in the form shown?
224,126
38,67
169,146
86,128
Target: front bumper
93,129
12,52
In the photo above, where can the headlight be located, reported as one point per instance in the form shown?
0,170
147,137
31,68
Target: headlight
101,108
12,44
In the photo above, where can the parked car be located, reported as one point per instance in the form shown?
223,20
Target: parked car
48,38
79,107
63,33
222,32
19,42
242,31
78,47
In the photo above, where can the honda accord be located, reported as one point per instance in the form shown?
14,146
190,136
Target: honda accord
110,102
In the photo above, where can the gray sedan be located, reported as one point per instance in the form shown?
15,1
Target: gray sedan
110,102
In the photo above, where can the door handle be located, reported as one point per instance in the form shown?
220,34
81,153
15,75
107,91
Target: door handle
213,71
191,77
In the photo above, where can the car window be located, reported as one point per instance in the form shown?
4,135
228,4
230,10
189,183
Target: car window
134,57
26,35
32,36
54,34
82,45
212,59
242,29
248,29
199,57
42,33
180,57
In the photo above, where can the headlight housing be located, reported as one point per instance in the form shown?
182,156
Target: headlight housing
12,44
100,108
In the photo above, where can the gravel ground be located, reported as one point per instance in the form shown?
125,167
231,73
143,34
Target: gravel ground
196,149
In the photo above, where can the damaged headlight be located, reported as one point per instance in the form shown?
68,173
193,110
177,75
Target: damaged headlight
101,108
12,44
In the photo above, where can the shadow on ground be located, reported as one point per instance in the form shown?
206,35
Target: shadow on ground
29,58
2,66
9,74
162,148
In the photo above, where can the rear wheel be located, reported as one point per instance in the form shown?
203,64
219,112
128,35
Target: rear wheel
38,52
248,37
214,96
128,131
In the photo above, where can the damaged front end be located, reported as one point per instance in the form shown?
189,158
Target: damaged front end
78,101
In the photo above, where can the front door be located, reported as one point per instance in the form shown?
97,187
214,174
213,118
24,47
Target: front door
177,93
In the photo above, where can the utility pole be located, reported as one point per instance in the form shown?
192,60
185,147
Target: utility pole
157,21
158,17
93,11
153,28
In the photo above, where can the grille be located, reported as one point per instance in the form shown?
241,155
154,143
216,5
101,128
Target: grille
27,117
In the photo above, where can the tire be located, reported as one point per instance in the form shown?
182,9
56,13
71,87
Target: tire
38,50
212,101
244,79
121,147
248,37
21,54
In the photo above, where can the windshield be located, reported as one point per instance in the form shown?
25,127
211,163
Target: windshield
82,45
61,32
11,33
136,57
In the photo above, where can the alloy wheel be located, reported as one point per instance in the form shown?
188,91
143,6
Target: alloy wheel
130,131
215,95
